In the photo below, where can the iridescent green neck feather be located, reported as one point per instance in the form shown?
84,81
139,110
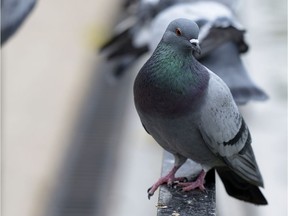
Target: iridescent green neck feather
169,84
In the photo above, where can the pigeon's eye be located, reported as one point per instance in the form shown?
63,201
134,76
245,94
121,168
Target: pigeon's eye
178,32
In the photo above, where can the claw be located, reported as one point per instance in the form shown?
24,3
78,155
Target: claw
202,188
149,189
149,193
168,179
174,185
185,179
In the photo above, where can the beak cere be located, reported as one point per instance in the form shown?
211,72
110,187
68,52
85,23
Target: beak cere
195,43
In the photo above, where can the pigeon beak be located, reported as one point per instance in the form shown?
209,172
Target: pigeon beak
196,47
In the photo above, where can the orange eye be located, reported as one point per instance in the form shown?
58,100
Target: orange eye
178,32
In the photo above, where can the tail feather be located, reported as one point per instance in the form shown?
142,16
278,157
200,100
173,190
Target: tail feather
239,188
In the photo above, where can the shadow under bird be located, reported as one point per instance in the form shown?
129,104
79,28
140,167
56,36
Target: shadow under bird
221,39
191,113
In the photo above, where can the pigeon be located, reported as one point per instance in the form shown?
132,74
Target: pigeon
14,12
190,112
140,33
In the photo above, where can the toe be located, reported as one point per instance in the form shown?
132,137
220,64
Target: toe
202,188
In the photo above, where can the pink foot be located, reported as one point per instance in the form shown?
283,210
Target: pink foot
169,179
199,183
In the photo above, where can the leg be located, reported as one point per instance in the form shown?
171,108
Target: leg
170,177
199,183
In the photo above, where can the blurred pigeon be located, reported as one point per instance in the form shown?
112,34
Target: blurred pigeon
221,35
13,14
191,113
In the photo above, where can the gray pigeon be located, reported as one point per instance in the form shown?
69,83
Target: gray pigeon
13,14
142,30
191,113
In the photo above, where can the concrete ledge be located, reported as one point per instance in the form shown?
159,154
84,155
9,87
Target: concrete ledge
174,202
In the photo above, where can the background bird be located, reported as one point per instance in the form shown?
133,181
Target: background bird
221,39
13,14
191,113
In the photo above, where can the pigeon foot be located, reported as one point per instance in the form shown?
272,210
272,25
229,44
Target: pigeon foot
169,179
198,183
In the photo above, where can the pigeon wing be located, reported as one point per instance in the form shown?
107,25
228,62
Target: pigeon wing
226,133
221,124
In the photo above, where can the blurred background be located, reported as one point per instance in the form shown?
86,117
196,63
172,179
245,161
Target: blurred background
55,86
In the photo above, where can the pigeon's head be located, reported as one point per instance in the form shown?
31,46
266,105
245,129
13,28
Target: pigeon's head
183,34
